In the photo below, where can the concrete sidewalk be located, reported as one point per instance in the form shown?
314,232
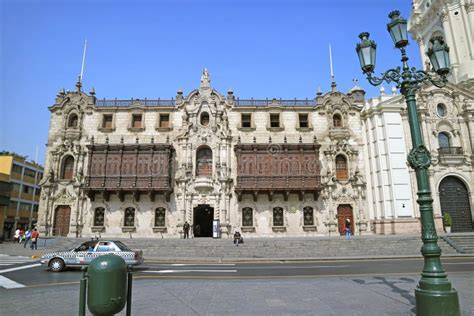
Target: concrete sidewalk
349,295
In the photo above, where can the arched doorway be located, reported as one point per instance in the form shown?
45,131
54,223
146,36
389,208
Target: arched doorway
62,217
203,217
344,211
454,199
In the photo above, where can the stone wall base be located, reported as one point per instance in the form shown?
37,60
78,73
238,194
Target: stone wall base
396,226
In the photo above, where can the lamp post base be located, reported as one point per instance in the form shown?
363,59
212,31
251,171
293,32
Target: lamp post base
432,303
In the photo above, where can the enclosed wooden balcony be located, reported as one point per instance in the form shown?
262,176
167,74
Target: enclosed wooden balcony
129,169
278,168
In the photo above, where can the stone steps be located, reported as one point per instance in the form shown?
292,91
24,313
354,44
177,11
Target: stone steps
374,246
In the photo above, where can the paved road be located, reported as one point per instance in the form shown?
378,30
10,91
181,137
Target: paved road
372,287
34,275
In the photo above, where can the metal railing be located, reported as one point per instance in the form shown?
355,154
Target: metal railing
450,151
278,102
125,103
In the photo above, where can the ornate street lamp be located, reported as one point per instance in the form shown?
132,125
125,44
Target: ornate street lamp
434,294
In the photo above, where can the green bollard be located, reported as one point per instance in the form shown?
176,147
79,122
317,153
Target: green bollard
129,291
82,293
107,288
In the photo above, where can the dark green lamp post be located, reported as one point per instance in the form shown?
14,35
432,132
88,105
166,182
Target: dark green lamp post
434,294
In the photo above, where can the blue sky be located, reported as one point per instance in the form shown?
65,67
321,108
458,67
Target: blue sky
260,48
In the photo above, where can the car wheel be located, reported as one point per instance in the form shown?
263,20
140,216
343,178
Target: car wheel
56,265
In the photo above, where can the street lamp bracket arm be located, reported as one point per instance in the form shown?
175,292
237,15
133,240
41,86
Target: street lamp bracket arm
422,76
391,75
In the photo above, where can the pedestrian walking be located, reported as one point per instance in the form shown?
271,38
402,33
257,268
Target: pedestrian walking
16,237
34,239
22,236
348,228
186,230
27,237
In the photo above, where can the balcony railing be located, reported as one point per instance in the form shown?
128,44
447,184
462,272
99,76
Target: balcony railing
125,103
450,151
277,102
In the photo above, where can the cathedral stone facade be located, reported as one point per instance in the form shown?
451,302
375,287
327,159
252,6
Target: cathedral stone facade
272,167
143,168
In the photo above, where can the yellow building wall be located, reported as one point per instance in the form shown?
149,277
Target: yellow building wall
6,163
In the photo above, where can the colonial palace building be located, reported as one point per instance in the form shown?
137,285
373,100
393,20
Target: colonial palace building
270,167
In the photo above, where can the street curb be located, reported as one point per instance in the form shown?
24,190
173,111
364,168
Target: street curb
263,260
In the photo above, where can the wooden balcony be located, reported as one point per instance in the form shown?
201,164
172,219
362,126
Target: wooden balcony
129,169
278,168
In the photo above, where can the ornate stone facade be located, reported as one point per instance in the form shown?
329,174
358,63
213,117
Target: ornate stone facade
144,167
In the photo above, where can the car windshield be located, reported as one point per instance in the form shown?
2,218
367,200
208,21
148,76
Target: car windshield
122,246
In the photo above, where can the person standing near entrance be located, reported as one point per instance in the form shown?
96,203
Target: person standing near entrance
348,228
34,239
186,230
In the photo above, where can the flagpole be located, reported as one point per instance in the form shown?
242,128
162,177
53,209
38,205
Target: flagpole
83,60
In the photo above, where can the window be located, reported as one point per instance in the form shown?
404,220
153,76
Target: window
160,216
68,168
72,121
204,119
341,168
136,121
443,140
164,121
308,216
246,120
35,208
13,204
25,206
107,121
99,216
129,217
274,120
337,120
303,117
441,109
17,169
247,216
27,189
16,187
277,216
204,162
30,173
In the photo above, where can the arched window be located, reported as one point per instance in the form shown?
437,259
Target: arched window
68,168
204,118
247,216
99,216
443,140
72,121
129,220
160,217
337,120
308,216
341,168
441,110
277,216
204,162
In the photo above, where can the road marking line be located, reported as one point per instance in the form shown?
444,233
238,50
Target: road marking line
9,284
20,268
197,264
188,271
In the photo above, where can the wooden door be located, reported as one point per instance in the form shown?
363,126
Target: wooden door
344,211
454,199
62,218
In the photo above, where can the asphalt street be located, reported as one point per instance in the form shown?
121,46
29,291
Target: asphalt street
37,275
